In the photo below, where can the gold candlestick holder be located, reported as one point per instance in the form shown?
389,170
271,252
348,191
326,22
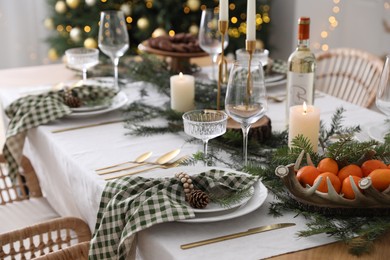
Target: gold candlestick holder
250,48
222,64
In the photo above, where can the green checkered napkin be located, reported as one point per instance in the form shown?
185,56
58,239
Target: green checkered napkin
131,204
34,110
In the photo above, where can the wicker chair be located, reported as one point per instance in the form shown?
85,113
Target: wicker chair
349,74
76,252
21,200
68,237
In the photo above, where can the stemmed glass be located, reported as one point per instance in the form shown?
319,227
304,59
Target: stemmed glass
209,37
113,38
246,100
82,59
205,125
383,100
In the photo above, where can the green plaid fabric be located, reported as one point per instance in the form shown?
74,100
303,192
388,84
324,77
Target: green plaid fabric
131,204
34,110
279,66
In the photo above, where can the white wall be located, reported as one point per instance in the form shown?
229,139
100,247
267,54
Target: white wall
360,25
22,33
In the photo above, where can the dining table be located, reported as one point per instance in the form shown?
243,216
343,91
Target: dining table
66,153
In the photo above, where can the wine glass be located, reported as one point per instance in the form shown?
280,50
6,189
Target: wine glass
210,38
382,100
82,59
113,38
205,125
246,100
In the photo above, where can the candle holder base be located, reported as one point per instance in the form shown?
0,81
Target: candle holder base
260,131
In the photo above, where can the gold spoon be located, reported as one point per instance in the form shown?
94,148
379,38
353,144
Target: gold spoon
160,161
140,159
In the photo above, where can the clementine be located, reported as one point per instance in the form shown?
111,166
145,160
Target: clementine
323,187
346,187
307,175
328,165
380,179
351,169
370,165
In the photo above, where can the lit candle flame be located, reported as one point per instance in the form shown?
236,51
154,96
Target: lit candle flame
180,74
304,106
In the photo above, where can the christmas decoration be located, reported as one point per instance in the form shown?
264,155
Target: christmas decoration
52,54
73,3
186,181
48,23
71,100
143,23
198,199
144,17
90,2
90,43
126,9
159,32
193,5
60,7
75,34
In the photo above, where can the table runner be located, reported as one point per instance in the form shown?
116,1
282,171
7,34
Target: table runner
131,204
34,110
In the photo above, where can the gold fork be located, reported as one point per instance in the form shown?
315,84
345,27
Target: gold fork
163,166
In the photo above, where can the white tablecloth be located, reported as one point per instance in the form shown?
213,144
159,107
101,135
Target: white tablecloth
65,164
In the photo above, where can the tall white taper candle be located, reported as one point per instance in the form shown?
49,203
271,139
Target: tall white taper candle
251,20
223,10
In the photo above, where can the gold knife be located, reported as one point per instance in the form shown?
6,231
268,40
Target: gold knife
86,126
250,231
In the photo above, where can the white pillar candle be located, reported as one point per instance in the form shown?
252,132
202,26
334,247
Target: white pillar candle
251,20
223,10
182,92
304,120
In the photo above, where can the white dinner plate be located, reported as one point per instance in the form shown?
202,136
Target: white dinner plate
274,77
215,207
258,198
117,102
90,108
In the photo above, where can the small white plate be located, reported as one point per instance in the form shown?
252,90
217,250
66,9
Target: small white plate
118,101
215,207
90,108
259,195
274,77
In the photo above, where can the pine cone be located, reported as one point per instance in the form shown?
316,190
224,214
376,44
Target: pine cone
198,199
73,101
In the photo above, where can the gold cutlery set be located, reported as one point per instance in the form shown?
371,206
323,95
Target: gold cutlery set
248,232
164,162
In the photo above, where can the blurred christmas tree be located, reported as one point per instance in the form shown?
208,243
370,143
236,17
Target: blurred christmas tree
75,22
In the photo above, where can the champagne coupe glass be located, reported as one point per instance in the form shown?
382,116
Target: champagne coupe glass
209,37
82,59
205,125
113,38
383,100
246,100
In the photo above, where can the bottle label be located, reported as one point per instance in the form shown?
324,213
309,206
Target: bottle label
300,87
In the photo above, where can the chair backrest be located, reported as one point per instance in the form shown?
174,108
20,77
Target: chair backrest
44,238
25,185
77,252
349,74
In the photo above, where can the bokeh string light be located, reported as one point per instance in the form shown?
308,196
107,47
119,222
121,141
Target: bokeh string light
332,24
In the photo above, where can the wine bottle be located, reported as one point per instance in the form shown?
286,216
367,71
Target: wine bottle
301,69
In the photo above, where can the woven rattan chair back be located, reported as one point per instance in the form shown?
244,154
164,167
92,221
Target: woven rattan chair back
25,185
76,252
349,74
44,238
